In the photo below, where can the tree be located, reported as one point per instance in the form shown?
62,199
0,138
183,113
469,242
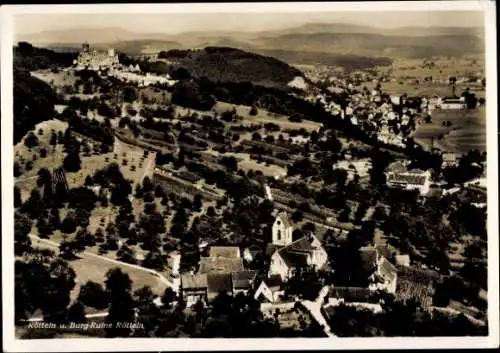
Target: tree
17,170
43,282
22,228
31,140
253,110
126,254
92,294
17,197
53,139
297,216
121,304
43,152
76,313
197,203
72,162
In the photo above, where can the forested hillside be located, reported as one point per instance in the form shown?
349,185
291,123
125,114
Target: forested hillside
223,64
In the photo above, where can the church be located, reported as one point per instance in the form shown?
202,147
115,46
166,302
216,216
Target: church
289,255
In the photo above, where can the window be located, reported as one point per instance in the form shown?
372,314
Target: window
279,234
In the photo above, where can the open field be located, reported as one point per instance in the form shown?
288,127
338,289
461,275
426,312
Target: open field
56,79
94,268
468,130
245,163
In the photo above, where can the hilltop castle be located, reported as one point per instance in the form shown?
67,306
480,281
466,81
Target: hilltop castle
91,59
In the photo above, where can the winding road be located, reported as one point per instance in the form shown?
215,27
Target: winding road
55,245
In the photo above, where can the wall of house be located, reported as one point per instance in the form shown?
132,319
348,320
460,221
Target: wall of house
264,291
278,266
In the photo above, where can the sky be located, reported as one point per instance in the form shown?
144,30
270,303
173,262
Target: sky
173,23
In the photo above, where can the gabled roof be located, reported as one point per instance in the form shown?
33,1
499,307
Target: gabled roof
296,253
284,218
220,265
402,178
189,281
243,279
369,257
350,294
225,251
387,270
219,282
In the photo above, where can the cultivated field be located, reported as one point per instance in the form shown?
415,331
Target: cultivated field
468,130
264,117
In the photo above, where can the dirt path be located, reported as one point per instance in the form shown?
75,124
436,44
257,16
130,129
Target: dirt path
162,278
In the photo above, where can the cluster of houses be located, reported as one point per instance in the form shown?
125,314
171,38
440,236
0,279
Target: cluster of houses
224,271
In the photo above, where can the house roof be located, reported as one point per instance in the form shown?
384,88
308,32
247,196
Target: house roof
397,167
387,270
403,178
284,218
189,281
220,265
418,275
350,294
225,251
219,282
295,254
243,279
402,260
369,257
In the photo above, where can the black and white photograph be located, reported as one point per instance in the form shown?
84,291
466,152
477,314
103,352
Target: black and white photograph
315,173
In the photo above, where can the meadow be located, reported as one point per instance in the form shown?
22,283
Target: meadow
468,130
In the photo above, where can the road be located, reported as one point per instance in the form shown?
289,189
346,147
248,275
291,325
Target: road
162,278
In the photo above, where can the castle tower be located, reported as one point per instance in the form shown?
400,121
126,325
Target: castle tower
282,230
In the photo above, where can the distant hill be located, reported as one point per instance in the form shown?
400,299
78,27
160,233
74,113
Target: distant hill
375,44
410,31
350,62
142,46
81,35
224,64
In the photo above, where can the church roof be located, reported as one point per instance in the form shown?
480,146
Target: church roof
296,253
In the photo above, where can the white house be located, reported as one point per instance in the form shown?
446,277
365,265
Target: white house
270,289
452,103
410,180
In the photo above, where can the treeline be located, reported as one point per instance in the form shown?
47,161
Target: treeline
30,58
33,103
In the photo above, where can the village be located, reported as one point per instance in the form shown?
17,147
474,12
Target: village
242,201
